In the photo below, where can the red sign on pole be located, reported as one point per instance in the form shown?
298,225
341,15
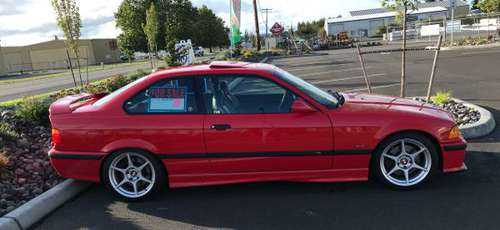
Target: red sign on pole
277,29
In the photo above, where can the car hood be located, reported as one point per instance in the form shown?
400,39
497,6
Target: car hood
395,104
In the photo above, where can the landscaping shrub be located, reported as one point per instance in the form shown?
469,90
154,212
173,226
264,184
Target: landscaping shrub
441,98
8,133
34,110
114,83
4,160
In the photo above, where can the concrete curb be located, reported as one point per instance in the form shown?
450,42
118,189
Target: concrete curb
34,210
471,47
483,127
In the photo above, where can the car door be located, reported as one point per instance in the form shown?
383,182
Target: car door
250,127
167,117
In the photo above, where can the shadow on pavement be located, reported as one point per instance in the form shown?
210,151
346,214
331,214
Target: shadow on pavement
453,201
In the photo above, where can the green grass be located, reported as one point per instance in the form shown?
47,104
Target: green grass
17,101
84,70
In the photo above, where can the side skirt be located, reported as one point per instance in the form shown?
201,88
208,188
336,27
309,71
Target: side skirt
330,175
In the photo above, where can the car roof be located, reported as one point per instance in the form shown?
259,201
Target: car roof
215,66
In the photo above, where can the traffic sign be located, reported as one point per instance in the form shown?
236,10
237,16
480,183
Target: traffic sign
277,29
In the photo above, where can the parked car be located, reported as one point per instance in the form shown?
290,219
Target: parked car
199,51
229,123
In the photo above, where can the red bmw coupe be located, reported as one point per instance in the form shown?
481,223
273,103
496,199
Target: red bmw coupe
238,122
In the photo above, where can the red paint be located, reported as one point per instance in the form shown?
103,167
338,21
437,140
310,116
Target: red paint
359,125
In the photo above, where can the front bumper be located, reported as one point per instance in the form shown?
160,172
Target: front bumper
454,157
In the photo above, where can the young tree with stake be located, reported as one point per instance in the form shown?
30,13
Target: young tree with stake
69,21
402,7
151,31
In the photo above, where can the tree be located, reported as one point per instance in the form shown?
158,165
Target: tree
176,19
309,29
206,26
475,4
151,31
402,7
489,6
69,21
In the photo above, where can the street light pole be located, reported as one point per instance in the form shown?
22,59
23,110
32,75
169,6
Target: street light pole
267,11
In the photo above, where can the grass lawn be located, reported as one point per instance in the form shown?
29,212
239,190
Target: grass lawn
91,69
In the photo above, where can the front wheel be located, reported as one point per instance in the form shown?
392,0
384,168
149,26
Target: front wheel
133,175
405,161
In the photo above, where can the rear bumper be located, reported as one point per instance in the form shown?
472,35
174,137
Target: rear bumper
81,166
454,157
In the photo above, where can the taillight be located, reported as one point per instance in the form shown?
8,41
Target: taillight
56,136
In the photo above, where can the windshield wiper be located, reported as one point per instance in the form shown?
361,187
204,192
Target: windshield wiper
340,98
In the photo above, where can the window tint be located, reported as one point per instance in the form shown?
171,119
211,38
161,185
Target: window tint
165,97
112,95
245,95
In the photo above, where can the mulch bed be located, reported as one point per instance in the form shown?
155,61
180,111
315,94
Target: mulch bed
25,171
462,114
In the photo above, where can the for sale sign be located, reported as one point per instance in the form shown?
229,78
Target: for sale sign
168,99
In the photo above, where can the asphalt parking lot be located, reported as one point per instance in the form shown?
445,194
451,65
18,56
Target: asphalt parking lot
467,200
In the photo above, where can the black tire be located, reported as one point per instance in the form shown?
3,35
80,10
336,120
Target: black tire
160,177
378,171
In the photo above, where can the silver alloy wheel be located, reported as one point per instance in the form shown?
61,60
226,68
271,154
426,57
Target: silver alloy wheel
131,175
405,162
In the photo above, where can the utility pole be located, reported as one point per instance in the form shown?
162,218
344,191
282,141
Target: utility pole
267,11
256,14
452,5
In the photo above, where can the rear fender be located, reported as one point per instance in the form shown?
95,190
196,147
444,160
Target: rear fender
129,144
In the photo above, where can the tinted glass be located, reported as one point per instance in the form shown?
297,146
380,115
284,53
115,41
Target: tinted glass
112,95
245,95
170,96
316,93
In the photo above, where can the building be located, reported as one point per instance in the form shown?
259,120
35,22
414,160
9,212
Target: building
462,8
53,55
366,23
3,71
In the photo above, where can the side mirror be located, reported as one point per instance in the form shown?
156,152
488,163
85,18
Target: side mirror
300,106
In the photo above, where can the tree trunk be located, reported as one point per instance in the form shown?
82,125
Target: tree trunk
403,56
71,67
210,49
79,69
257,33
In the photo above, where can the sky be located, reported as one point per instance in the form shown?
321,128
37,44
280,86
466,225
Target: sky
24,22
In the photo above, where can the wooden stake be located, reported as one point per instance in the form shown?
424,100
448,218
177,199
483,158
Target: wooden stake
434,67
362,61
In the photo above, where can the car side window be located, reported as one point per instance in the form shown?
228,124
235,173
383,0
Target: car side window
169,96
243,94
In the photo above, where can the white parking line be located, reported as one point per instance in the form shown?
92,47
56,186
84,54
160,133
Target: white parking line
347,78
289,69
330,71
376,87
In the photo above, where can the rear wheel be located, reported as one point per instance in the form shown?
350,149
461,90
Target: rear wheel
405,161
133,175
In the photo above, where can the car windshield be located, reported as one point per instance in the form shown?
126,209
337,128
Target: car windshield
317,94
112,95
